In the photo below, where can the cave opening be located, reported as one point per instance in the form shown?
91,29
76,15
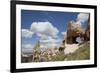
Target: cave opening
76,40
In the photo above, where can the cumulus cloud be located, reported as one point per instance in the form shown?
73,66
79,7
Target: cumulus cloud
41,29
26,33
50,43
50,40
47,33
44,29
27,47
82,17
43,36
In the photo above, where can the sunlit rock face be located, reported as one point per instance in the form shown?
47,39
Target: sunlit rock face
70,48
74,36
74,30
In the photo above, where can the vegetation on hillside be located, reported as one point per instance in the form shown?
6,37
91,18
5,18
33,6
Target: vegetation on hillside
83,53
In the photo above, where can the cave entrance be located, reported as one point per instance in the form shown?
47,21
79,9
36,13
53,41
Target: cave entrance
77,40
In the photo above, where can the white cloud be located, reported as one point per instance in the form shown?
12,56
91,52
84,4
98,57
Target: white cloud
50,40
50,43
82,17
44,29
43,36
47,33
26,33
27,47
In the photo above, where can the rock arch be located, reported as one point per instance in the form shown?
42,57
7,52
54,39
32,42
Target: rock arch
75,30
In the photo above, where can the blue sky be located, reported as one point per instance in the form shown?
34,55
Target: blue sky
57,20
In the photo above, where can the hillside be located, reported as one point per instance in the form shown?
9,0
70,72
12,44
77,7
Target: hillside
83,53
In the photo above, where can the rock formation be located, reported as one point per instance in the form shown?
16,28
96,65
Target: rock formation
74,31
87,31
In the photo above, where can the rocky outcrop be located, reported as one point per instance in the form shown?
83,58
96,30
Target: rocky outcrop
70,48
87,34
75,30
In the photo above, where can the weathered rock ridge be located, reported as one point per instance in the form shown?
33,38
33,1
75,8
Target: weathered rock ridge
75,30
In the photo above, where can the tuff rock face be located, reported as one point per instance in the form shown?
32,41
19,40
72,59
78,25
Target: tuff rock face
87,33
75,30
69,44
